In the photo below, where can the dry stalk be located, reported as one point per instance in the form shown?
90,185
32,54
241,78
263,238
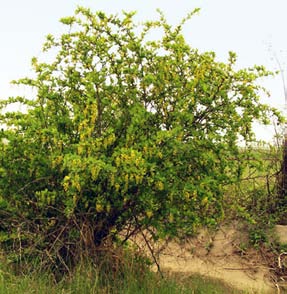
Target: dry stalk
279,259
147,242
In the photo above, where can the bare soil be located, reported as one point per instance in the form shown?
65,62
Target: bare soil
224,254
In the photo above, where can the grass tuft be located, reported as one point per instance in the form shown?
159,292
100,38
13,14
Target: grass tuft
88,279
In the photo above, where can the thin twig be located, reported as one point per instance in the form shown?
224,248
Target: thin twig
279,259
33,182
150,249
58,237
240,268
129,234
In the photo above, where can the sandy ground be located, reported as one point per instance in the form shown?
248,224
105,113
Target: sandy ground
220,254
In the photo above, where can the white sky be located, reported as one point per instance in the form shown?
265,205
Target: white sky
247,27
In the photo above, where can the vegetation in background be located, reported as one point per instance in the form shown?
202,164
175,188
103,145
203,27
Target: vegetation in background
126,133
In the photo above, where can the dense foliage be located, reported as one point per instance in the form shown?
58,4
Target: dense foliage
126,130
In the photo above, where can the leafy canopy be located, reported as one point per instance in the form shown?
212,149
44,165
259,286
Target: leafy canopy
125,130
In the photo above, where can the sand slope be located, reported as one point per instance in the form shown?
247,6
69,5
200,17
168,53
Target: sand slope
218,254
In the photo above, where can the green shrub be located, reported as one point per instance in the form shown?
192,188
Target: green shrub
124,132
